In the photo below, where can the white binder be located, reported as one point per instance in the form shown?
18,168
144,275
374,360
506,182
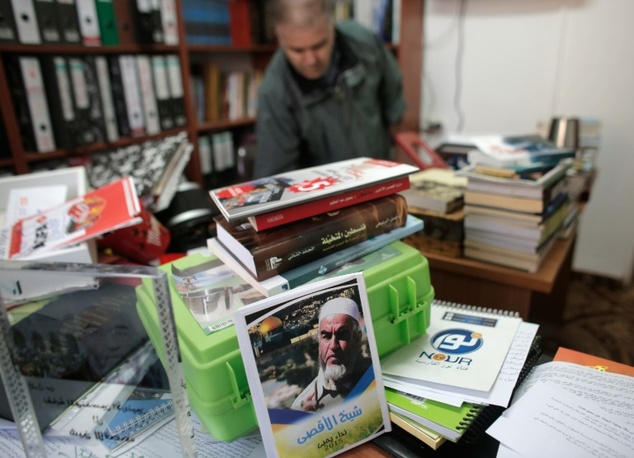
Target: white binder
26,22
38,106
132,94
88,22
105,90
150,109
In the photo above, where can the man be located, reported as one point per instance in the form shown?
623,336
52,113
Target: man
331,92
341,359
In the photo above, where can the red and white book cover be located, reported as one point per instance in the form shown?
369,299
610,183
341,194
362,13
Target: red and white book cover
299,187
328,204
105,209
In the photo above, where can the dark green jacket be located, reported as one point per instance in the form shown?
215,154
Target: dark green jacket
350,119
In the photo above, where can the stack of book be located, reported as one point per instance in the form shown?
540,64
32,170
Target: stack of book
282,231
513,214
437,197
452,382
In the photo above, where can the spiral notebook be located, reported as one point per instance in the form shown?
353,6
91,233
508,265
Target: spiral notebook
447,420
464,348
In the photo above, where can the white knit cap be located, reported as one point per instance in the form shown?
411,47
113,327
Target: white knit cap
340,306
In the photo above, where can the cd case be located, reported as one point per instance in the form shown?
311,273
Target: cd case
77,363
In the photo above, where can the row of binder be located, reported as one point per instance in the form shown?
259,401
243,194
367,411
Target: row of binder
70,101
88,22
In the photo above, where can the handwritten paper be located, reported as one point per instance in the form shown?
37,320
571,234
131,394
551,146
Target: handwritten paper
565,423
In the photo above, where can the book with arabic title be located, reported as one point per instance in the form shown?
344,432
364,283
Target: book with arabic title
313,369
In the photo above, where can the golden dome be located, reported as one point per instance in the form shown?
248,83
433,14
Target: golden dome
269,324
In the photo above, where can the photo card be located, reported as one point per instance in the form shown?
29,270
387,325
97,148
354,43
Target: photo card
313,369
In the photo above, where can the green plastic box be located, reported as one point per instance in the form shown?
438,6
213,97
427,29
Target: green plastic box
399,295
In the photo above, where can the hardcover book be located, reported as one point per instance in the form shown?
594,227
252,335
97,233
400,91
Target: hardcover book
304,185
355,258
447,420
328,395
328,204
269,253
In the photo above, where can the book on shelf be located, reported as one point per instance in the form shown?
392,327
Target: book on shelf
540,175
449,421
269,253
436,189
516,150
287,215
516,259
509,257
417,430
464,347
323,415
352,259
516,228
304,185
504,241
519,204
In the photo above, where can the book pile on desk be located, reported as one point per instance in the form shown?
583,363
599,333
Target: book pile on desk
447,384
514,213
437,197
282,231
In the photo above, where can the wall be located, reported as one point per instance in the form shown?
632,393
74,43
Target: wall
503,66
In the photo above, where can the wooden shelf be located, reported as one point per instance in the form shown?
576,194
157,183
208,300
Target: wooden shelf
409,54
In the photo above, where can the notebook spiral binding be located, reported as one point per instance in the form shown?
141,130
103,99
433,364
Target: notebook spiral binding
476,308
490,413
142,421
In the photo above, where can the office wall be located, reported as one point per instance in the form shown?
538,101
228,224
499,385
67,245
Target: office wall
503,66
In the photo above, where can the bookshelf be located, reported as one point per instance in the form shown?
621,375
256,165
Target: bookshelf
21,160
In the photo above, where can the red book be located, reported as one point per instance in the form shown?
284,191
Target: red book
240,22
327,204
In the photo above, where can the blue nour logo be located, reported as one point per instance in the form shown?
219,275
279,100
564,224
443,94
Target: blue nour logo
457,341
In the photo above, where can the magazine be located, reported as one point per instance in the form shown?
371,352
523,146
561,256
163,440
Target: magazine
313,369
304,185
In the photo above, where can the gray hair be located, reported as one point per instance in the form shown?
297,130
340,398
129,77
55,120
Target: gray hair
301,13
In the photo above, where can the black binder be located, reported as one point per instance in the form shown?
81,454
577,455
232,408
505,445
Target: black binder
148,24
95,114
118,96
162,91
88,127
48,21
60,100
8,32
177,98
68,21
29,101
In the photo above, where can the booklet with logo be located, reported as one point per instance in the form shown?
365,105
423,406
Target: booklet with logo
464,347
313,369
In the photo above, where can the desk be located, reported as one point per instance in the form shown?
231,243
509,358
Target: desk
538,297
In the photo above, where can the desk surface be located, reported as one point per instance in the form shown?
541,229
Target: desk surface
541,281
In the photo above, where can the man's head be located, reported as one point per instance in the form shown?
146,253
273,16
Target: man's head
305,31
339,338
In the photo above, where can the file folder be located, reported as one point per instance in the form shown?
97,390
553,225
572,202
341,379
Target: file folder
26,22
68,21
47,21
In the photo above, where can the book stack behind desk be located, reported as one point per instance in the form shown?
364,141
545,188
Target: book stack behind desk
437,197
513,214
277,224
457,378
